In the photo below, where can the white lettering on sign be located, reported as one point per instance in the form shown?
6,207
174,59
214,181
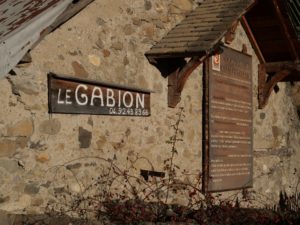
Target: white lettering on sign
67,98
68,92
59,101
128,105
120,102
119,105
99,96
110,100
140,101
84,96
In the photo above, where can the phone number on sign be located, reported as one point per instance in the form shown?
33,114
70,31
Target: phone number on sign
130,112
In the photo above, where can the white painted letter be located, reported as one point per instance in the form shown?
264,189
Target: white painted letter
140,101
110,100
58,98
119,100
68,91
100,96
130,101
84,96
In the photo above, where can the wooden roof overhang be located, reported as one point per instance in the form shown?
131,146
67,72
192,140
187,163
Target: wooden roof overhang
197,37
268,24
273,32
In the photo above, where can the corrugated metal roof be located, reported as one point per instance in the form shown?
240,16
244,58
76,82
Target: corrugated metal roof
15,14
202,29
23,22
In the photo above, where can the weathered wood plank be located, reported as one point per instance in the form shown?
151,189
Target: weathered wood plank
197,29
202,38
184,44
192,34
200,21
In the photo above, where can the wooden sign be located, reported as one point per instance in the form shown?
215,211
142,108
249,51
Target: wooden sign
229,157
76,96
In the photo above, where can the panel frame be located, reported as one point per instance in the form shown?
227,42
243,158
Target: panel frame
208,82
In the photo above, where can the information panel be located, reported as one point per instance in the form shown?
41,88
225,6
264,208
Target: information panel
230,157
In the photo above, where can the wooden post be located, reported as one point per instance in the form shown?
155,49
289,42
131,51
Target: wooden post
205,127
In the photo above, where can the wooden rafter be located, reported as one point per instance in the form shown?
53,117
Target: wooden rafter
287,33
277,66
252,39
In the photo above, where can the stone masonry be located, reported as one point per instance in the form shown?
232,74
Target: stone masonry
106,42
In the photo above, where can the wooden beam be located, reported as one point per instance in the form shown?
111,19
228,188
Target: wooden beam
278,66
178,78
265,85
285,29
230,35
187,71
252,39
293,77
174,96
262,79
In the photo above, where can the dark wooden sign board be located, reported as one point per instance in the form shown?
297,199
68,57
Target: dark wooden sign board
228,155
76,96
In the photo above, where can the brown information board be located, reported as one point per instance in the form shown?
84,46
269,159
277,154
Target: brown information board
76,96
229,156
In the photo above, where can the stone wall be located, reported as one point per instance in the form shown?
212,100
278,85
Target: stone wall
276,136
40,154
